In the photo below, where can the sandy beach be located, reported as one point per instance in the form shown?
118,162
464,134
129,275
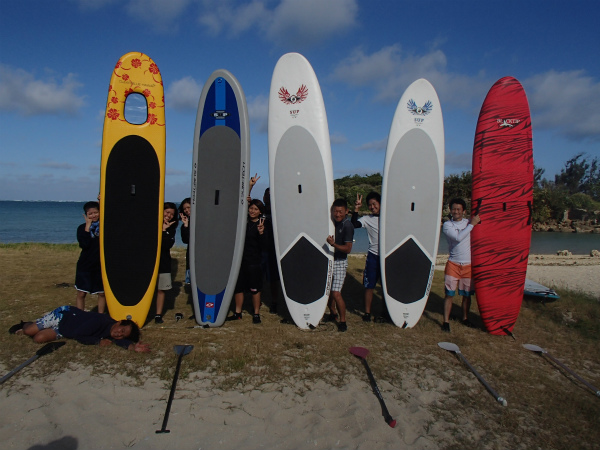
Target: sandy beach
575,273
84,408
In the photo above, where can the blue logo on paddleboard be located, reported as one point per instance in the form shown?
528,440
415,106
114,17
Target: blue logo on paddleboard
419,110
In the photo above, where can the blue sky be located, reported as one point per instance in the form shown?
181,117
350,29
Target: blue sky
56,59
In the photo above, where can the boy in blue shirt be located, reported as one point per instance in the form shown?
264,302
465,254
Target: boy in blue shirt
88,275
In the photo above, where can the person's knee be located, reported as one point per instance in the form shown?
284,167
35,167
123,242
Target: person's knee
43,336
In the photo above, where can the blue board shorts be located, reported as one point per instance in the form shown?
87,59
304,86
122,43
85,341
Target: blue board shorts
372,272
52,320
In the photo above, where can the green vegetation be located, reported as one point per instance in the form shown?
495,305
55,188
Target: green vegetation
575,188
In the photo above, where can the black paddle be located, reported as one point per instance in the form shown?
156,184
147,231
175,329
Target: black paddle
181,350
362,353
535,348
48,348
454,348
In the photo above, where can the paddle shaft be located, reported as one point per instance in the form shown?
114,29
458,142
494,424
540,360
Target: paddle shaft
480,378
16,369
593,388
386,415
171,395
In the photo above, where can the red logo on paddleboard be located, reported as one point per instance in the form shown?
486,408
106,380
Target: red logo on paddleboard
293,99
209,305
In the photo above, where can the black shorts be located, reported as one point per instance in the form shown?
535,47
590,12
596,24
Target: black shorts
90,282
249,279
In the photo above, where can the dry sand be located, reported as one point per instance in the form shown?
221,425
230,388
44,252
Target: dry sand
76,409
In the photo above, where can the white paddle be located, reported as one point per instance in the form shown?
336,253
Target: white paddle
535,348
454,348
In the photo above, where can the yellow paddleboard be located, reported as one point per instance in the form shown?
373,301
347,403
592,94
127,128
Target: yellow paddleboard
132,189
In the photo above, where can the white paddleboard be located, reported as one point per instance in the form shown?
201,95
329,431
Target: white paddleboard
411,203
219,209
301,178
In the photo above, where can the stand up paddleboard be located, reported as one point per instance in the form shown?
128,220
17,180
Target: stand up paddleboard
132,190
533,289
301,177
219,208
502,196
411,203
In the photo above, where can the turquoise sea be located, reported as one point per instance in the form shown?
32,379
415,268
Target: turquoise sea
57,222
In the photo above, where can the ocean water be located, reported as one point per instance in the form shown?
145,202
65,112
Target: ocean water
57,222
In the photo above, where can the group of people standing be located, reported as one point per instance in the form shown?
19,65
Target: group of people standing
258,260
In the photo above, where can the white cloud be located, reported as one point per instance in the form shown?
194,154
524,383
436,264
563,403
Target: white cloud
338,139
373,146
160,14
231,17
258,111
183,94
390,71
49,187
308,22
57,165
20,91
178,172
290,22
566,102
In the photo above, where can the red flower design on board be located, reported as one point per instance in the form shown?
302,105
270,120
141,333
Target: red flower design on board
118,64
112,114
152,119
136,63
114,100
147,92
153,68
128,91
151,105
125,77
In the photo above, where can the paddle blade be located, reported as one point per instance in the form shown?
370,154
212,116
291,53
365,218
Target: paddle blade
49,348
534,348
392,423
359,351
183,350
449,346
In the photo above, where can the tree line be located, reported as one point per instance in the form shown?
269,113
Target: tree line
576,187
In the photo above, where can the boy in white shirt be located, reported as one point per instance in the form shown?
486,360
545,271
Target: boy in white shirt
458,268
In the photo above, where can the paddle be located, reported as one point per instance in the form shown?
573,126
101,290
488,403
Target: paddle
535,348
48,348
454,348
362,353
181,350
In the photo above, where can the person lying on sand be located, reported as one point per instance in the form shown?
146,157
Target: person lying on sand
88,328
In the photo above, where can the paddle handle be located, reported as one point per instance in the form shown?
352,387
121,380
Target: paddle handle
386,415
499,399
163,429
593,388
16,369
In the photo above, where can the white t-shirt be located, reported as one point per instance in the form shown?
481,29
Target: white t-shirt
371,223
458,235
